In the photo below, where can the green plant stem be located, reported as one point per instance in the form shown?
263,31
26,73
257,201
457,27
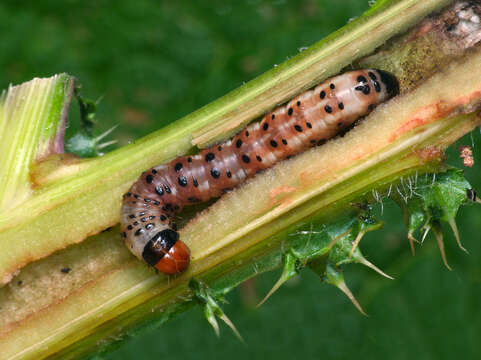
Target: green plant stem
392,143
63,209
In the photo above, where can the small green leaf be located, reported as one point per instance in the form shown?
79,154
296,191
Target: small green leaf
433,198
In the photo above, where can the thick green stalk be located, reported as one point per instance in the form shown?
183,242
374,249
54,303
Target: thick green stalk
32,123
63,209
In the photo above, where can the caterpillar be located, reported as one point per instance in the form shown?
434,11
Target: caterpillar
310,119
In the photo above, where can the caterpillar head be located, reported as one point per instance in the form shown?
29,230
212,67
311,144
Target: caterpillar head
167,253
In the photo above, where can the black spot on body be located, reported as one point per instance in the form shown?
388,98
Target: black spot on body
143,219
167,189
182,181
322,94
155,202
298,128
309,125
246,159
136,223
273,143
130,227
361,79
159,190
247,133
273,116
124,234
258,158
370,107
151,217
298,103
321,142
229,174
341,106
238,143
284,141
332,86
149,226
189,159
209,157
147,200
366,89
154,171
328,109
377,87
131,216
149,178
372,75
339,124
163,217
290,111
178,166
215,173
139,232
219,148
195,182
265,126
65,270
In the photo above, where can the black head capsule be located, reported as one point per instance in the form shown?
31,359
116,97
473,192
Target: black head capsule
166,252
390,81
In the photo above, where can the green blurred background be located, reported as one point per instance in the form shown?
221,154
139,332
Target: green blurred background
153,62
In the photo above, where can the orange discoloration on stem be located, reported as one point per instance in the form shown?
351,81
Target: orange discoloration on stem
430,113
431,153
423,116
281,190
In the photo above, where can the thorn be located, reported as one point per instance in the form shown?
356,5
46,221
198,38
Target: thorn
106,133
288,272
343,287
356,242
335,277
105,144
439,238
211,307
101,97
229,323
452,223
340,236
209,315
276,286
369,264
412,239
425,234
